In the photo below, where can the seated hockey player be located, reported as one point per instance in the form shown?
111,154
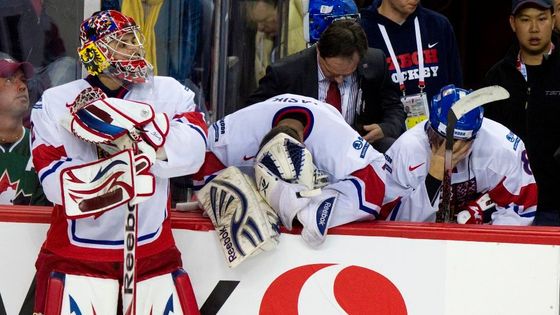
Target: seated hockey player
290,145
105,148
491,179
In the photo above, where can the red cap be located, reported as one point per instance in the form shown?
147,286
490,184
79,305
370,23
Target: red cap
9,66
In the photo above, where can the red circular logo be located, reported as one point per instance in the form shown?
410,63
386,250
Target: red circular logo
332,289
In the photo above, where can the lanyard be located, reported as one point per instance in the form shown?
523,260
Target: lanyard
520,65
400,76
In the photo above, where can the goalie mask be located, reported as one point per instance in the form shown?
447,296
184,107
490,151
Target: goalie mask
112,43
321,13
467,126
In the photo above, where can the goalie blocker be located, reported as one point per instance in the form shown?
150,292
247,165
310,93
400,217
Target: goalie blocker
244,222
105,184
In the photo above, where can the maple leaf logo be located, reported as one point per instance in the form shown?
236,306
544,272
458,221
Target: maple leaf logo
8,188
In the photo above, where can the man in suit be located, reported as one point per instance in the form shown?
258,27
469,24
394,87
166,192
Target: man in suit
341,70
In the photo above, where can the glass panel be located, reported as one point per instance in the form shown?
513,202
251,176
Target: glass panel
45,34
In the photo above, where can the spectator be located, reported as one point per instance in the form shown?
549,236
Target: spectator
421,48
28,33
530,71
19,184
90,248
352,166
264,13
489,165
342,71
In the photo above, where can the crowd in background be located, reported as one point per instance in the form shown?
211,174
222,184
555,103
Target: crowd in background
386,71
395,27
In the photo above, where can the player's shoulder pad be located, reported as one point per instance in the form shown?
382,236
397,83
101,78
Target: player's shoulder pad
498,139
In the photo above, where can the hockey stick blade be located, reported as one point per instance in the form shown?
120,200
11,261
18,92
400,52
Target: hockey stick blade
477,98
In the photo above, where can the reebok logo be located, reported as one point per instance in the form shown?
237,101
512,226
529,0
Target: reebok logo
323,214
412,168
226,240
432,45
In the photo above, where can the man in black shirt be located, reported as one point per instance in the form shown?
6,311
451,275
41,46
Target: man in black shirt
530,71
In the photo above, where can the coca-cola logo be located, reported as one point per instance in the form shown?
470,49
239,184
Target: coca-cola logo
332,289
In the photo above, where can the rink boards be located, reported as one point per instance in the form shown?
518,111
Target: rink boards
367,268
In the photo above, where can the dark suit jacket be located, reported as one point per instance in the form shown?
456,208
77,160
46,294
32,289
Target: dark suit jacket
297,74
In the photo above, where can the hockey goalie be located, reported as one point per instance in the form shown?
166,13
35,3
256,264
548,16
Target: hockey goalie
105,148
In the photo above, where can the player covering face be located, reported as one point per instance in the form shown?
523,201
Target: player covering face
491,179
291,136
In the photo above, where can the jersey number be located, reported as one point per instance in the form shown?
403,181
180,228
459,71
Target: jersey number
526,165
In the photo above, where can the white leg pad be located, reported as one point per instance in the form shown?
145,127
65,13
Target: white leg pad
88,296
157,295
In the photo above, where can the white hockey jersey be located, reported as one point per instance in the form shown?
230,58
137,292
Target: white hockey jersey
54,149
353,166
497,165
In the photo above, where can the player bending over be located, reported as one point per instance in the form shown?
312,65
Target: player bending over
309,143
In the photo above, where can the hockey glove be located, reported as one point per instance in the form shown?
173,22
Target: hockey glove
474,214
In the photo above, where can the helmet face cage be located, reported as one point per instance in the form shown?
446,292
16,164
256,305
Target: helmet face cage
323,12
467,126
113,43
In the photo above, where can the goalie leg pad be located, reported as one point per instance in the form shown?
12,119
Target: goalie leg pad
316,217
185,292
169,293
76,294
245,223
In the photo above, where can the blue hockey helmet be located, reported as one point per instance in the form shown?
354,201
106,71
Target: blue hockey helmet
467,126
321,13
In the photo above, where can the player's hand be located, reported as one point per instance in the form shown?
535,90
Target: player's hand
461,149
475,210
374,133
473,215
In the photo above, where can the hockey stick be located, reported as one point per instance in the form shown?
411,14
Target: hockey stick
130,244
460,108
129,265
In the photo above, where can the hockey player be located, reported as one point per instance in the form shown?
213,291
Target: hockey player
78,127
283,167
491,178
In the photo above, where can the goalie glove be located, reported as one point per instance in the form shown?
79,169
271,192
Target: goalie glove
115,124
98,119
474,214
244,222
288,159
286,176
